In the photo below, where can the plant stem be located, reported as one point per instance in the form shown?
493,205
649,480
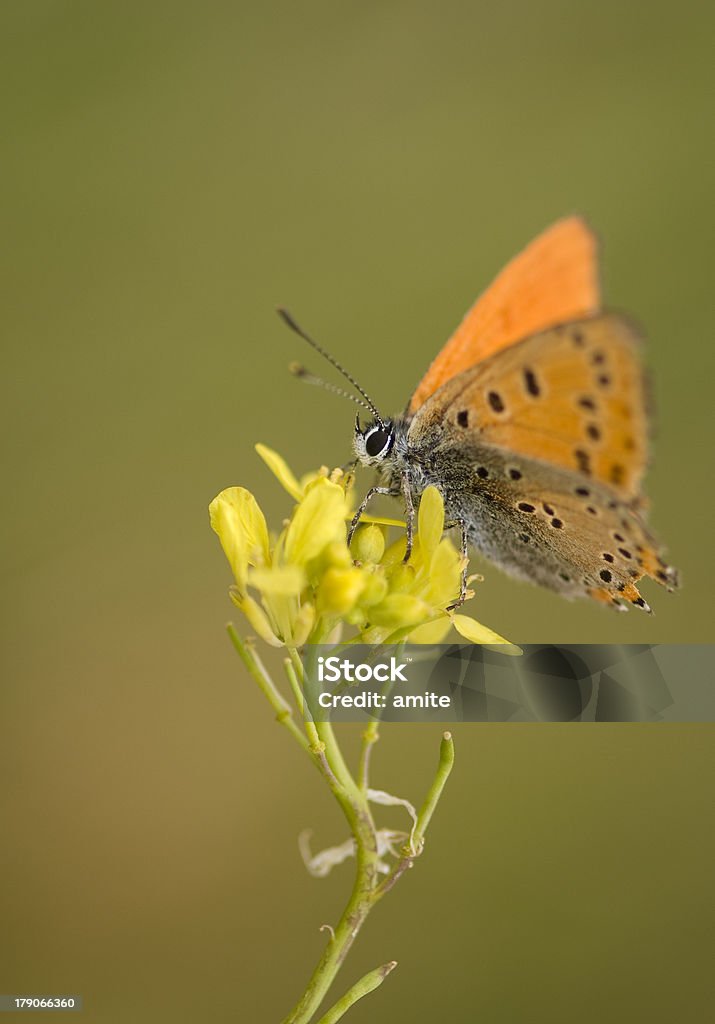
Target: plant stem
255,666
446,761
310,729
326,735
352,919
366,890
324,750
361,988
369,739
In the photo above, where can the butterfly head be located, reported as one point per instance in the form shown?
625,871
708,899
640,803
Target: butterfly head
374,442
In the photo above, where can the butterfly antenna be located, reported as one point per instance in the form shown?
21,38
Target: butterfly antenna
298,370
288,319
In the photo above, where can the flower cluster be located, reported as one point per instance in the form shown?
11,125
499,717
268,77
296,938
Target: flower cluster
305,584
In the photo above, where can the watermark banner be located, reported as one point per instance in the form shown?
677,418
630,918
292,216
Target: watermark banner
545,683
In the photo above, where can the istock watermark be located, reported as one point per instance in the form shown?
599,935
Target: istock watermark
332,669
545,683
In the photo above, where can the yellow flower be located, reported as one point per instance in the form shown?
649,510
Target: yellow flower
241,526
307,583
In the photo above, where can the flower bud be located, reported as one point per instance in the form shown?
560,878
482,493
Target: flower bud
375,589
399,611
339,590
304,622
401,577
368,544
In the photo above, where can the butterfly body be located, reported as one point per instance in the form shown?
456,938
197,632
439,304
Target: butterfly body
538,441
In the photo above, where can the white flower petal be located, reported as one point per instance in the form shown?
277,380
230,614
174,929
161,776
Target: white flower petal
379,796
321,864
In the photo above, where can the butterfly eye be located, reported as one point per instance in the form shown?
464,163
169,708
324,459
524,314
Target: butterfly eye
377,441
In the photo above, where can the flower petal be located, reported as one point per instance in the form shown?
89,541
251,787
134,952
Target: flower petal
445,573
430,522
321,864
241,527
279,467
318,520
282,580
431,632
379,796
334,555
475,632
382,521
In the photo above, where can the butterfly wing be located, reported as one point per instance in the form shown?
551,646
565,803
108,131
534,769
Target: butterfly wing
572,396
542,447
554,280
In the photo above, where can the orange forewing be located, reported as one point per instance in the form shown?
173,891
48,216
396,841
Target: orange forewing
553,280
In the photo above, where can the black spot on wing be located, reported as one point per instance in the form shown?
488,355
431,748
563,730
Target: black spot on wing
496,401
531,383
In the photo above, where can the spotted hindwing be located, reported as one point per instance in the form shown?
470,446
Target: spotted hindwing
543,447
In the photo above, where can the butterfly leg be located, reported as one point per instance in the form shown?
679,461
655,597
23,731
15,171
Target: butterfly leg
409,516
355,521
464,551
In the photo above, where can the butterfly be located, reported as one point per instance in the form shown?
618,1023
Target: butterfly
532,422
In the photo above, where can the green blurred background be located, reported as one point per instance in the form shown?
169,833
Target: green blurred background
171,172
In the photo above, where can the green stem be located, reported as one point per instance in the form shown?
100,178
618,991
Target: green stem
366,891
361,988
255,666
446,761
369,739
310,729
333,753
324,750
353,917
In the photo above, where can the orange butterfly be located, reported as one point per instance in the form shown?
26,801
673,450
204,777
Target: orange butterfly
532,422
